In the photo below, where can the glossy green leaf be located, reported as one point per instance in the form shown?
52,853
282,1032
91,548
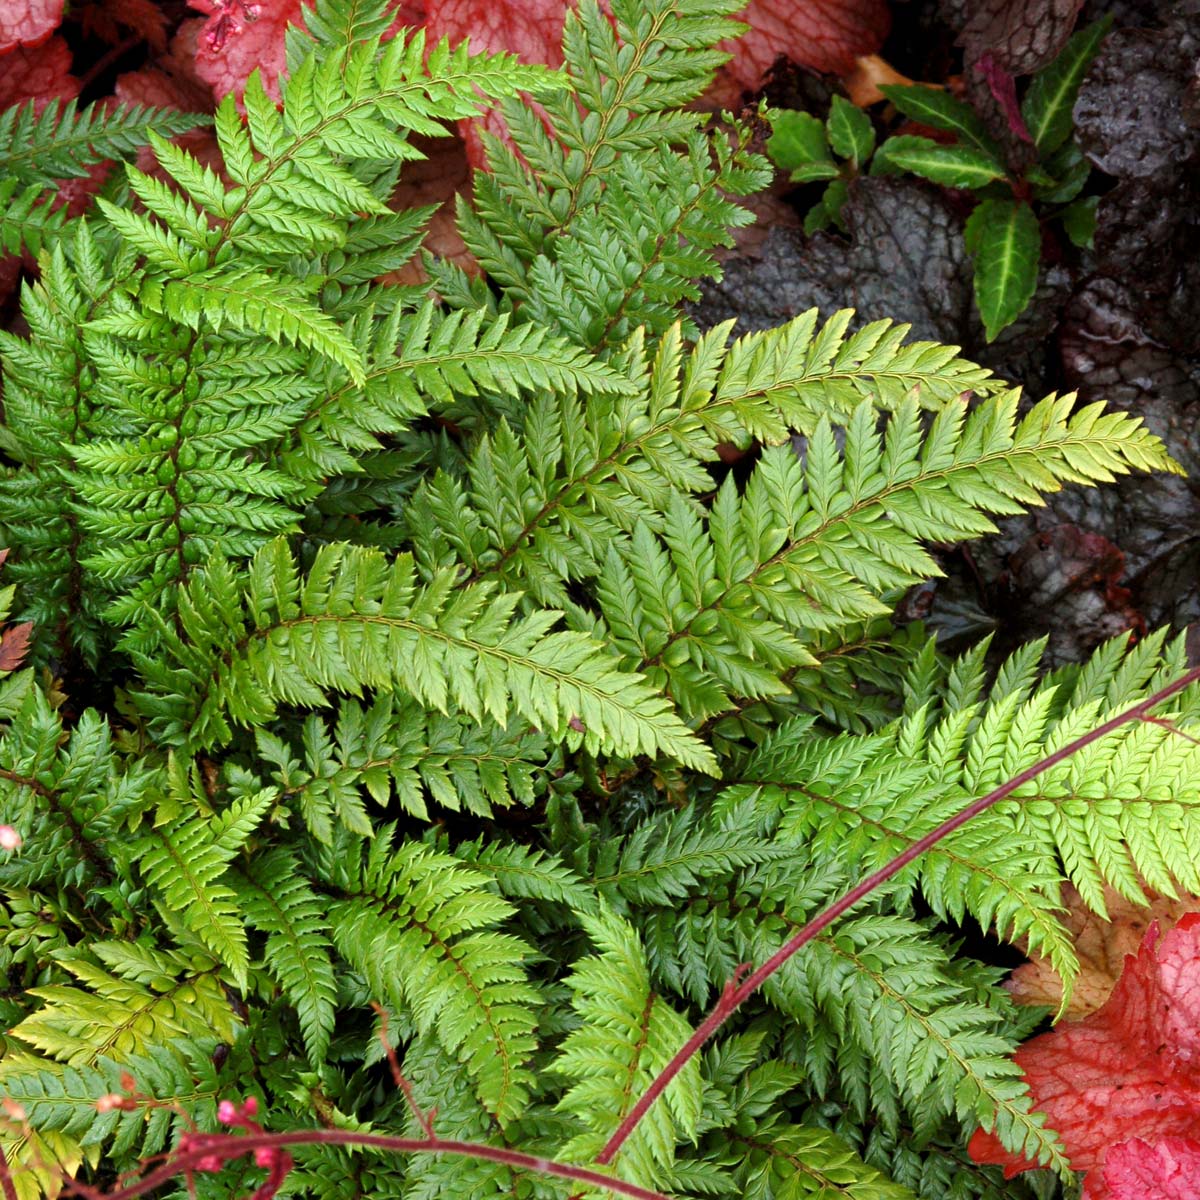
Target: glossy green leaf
1004,238
799,138
952,166
1051,96
851,133
814,171
938,109
1079,220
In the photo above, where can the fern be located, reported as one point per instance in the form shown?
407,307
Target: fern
278,901
410,646
357,621
415,928
626,1035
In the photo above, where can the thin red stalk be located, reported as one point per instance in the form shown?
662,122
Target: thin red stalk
228,1146
737,991
6,1179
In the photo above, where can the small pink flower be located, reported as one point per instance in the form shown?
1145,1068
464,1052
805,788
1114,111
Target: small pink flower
210,1162
250,1106
227,1112
266,1156
10,839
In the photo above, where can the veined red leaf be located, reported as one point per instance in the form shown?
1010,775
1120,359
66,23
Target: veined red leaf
1130,1070
27,22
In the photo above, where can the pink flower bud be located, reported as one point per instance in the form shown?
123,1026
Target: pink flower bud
210,1162
10,839
227,1112
250,1107
109,1102
265,1156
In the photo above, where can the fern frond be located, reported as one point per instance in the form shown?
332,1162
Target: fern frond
793,376
619,212
521,873
26,219
129,1000
184,862
357,622
65,793
62,1099
278,900
48,410
724,609
790,1162
421,928
878,985
40,144
675,855
627,1035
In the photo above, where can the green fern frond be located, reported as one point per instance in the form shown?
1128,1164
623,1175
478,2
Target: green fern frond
185,861
357,622
921,1041
798,1162
26,219
799,373
48,411
811,546
421,928
627,1035
619,213
40,144
64,792
129,999
278,900
399,749
675,855
524,874
62,1099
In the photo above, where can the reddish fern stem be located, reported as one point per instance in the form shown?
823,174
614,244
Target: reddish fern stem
228,1146
6,1179
737,991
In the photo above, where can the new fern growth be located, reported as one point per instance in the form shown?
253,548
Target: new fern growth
398,675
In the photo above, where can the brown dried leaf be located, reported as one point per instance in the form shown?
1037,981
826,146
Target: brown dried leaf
1101,946
14,645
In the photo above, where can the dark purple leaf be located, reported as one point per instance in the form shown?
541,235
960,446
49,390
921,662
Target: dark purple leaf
1131,116
903,258
1021,35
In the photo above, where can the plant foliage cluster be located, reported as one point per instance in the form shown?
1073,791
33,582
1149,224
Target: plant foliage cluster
1016,193
414,648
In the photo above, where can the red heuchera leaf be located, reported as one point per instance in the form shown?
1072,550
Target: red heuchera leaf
28,22
1130,1070
37,73
826,35
1168,1170
240,36
531,29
